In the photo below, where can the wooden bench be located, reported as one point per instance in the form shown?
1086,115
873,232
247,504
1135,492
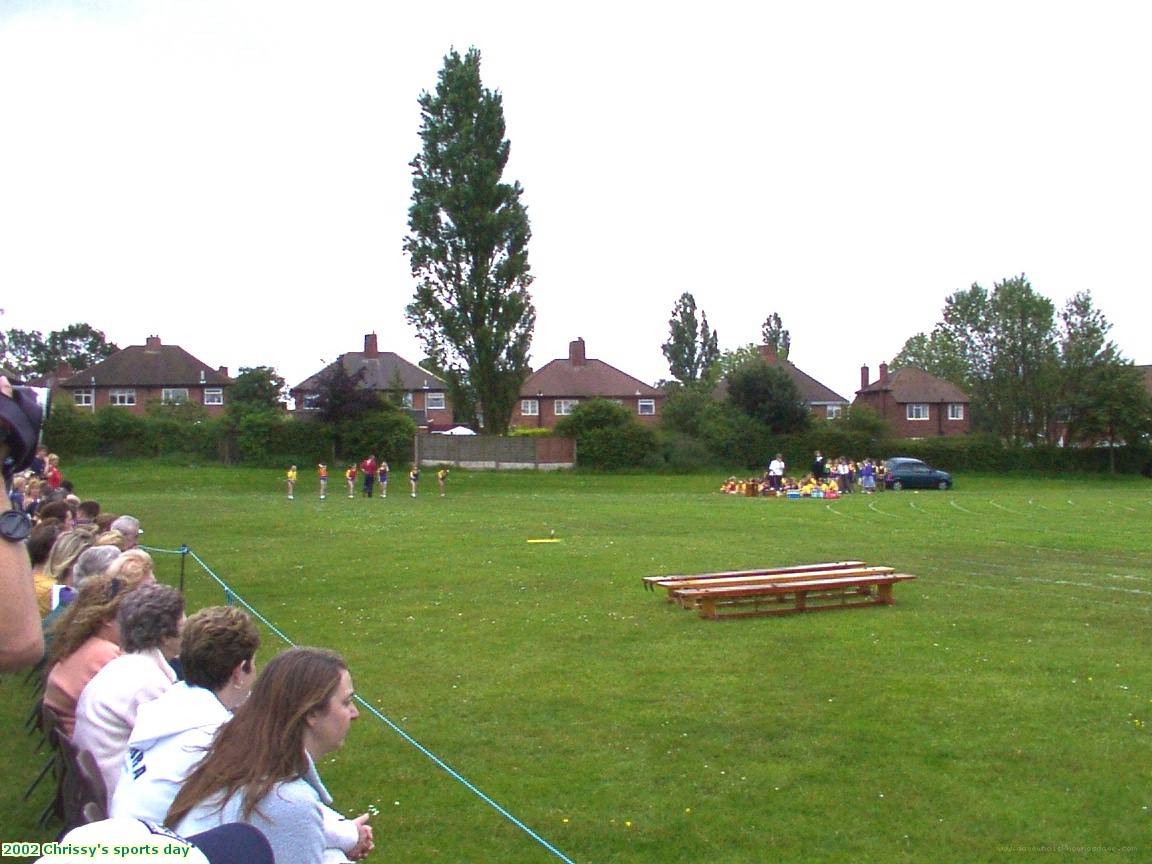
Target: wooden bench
784,597
681,591
650,581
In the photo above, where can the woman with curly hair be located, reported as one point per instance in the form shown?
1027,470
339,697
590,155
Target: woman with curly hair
149,619
261,768
86,637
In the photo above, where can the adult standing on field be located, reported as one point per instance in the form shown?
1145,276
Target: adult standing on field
368,466
819,467
776,470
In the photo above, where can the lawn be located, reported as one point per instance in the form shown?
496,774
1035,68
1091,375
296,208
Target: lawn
996,713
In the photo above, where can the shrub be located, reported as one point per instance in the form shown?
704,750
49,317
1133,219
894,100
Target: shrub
608,436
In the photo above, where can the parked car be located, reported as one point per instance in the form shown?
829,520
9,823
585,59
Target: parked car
902,472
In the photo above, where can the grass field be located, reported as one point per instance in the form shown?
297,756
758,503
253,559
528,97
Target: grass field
997,712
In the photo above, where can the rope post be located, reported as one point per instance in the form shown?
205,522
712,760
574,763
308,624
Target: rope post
184,550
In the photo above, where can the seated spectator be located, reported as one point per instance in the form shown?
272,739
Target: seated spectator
65,551
86,638
33,497
40,543
59,510
261,767
111,538
104,521
16,495
135,565
86,512
95,561
149,619
172,733
129,527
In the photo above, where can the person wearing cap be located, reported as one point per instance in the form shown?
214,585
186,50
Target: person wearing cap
261,768
104,842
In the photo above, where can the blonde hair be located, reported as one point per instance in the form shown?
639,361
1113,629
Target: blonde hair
96,604
65,551
135,564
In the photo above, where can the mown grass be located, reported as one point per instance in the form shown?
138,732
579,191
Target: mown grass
995,711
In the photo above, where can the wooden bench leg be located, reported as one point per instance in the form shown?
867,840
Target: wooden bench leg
707,607
801,601
884,593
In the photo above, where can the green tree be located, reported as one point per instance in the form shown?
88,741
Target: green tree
257,388
768,394
607,435
691,349
468,246
776,337
29,352
732,359
1102,395
1000,347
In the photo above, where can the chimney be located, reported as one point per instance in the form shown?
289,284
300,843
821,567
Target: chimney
883,373
863,377
768,352
223,370
63,370
152,342
370,349
576,352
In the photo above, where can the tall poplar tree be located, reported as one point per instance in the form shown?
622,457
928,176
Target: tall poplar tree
691,349
468,246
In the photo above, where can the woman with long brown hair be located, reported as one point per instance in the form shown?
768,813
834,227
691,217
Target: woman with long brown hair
261,767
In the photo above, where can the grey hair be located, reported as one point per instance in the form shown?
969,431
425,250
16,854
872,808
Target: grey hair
93,561
148,615
126,524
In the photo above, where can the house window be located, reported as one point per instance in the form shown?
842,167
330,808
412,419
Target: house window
174,395
564,407
311,401
434,401
214,396
832,412
406,399
83,398
646,407
917,411
529,407
955,410
122,396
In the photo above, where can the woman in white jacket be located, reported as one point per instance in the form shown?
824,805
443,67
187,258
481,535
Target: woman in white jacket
261,767
172,733
149,619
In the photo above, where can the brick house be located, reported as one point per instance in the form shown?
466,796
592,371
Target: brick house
915,403
552,391
822,401
424,395
139,374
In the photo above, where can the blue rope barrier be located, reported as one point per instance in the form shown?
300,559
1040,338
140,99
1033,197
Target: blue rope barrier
233,598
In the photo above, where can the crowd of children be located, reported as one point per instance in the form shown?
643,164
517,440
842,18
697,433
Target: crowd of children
372,473
841,476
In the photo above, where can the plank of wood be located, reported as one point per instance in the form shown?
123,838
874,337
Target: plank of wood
649,581
680,591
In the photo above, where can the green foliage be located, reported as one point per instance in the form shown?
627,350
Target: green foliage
388,433
776,337
691,349
768,394
28,352
608,436
257,388
734,358
468,244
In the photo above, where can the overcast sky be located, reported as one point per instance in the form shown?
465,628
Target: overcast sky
233,176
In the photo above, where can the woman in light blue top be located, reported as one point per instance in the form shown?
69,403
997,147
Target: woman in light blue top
261,768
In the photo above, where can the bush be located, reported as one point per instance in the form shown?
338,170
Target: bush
608,436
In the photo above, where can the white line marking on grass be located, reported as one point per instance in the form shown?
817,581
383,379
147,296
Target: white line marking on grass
1013,589
1005,509
961,509
1126,576
1032,503
830,509
872,507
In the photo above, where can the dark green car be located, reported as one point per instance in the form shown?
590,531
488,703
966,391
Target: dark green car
902,472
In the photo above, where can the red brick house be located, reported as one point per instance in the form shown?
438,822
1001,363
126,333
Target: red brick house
915,403
152,372
424,395
552,391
